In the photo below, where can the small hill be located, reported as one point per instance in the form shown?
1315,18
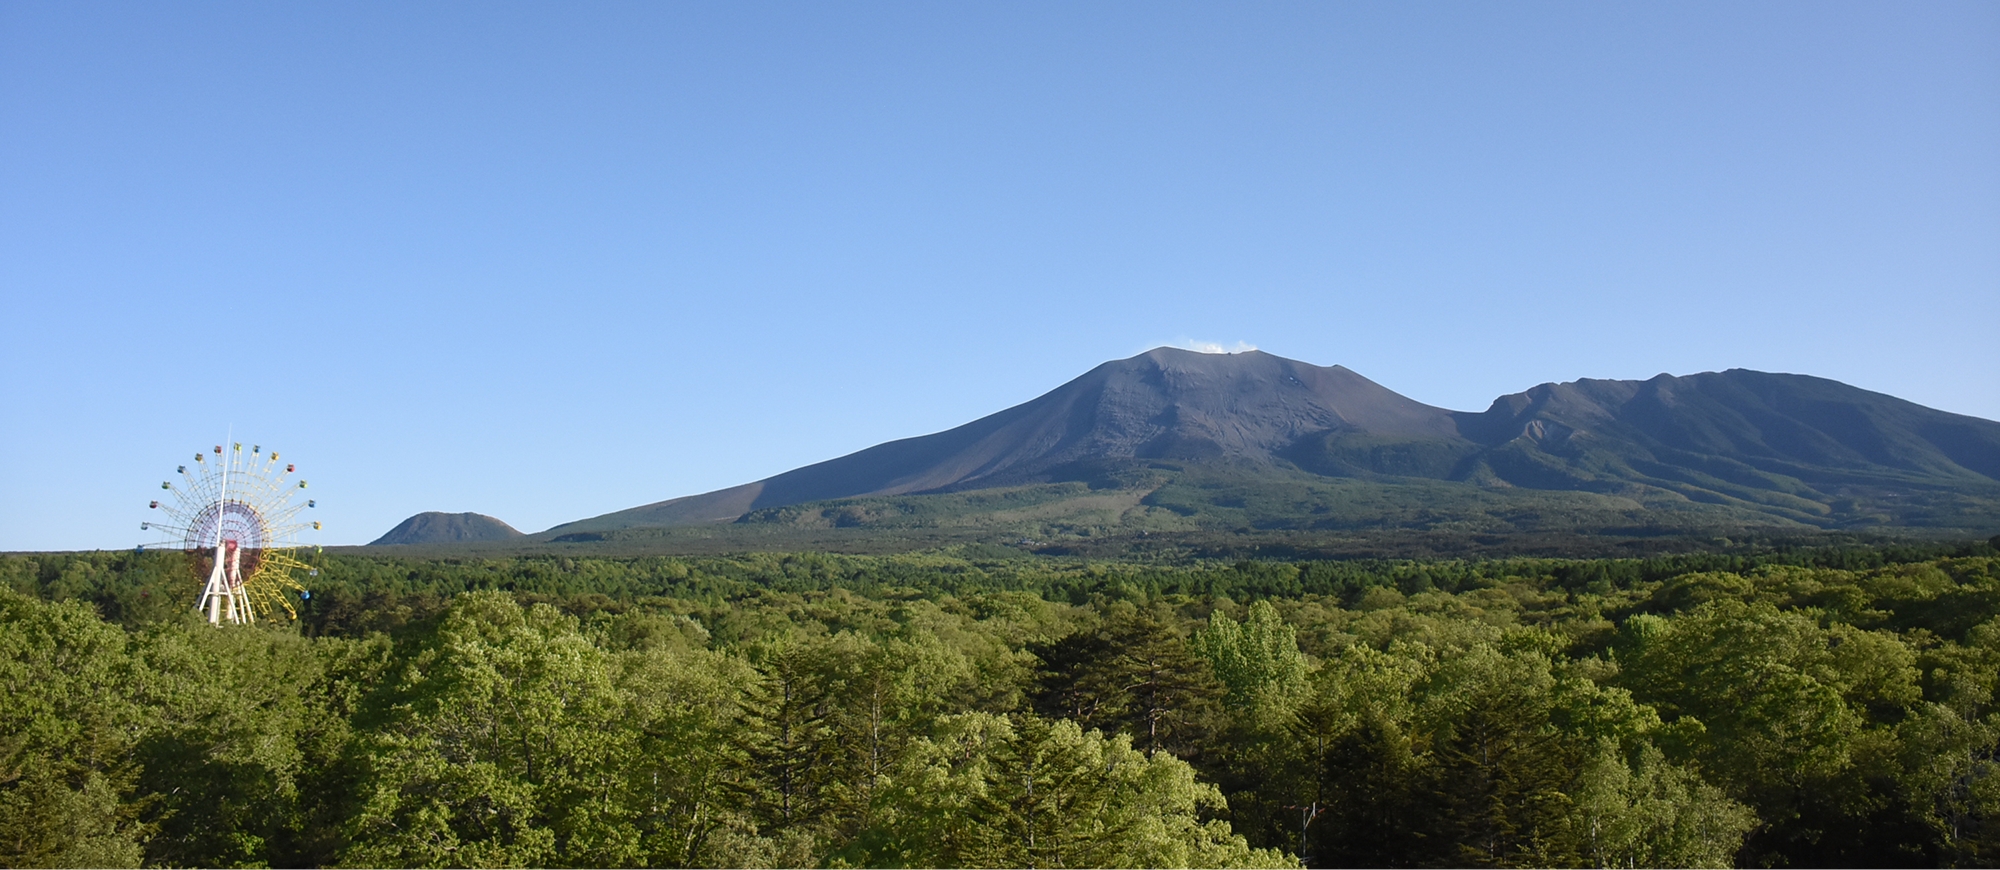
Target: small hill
436,527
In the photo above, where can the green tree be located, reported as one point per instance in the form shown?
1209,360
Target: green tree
791,743
988,792
1498,765
682,788
1134,674
68,733
1258,660
503,749
929,813
1366,805
1652,813
1949,748
891,692
223,755
1777,711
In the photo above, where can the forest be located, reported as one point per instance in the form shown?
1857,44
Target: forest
972,706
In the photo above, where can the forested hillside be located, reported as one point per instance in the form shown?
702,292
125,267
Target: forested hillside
1810,708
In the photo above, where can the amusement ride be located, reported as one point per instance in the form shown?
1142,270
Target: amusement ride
238,518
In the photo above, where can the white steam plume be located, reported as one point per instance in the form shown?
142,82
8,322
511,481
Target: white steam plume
1212,346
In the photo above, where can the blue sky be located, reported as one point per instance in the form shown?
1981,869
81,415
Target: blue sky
545,261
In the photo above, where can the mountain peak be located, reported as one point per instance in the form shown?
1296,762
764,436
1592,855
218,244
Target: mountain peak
437,527
1164,404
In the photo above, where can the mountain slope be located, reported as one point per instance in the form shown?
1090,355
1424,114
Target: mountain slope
434,527
1162,404
1792,423
1254,440
1800,447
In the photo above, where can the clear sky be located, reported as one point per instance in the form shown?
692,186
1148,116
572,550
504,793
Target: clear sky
545,261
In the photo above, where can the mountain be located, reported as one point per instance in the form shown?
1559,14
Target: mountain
1162,404
434,527
1799,446
1172,439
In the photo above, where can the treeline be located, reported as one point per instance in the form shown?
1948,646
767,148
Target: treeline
975,708
357,594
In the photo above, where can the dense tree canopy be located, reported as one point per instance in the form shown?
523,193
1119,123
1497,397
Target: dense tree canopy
1829,708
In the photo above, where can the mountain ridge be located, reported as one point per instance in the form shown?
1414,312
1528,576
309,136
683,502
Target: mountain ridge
1789,449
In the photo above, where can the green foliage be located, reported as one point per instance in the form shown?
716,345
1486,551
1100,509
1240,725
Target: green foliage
494,752
1349,493
68,734
239,725
1137,674
966,708
1257,660
1643,811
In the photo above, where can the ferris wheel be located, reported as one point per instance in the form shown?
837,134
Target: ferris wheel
238,518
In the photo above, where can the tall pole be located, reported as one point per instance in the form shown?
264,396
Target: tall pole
218,595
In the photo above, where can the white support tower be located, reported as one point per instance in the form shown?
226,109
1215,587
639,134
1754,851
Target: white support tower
224,597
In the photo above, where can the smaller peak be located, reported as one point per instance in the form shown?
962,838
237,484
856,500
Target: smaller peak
440,527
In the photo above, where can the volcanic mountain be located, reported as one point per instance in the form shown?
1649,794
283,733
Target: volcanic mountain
1297,445
434,527
1162,404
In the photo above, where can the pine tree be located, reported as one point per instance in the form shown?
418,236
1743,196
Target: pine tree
1135,674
